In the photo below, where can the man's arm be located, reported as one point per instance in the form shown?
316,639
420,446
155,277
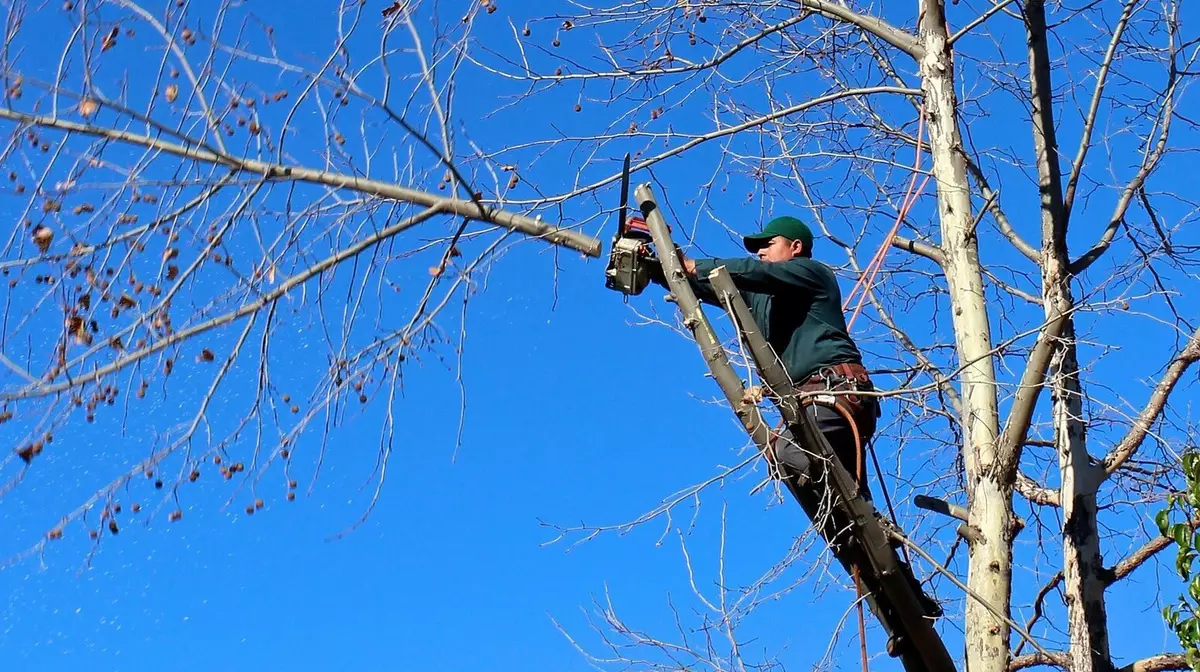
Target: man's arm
752,275
700,286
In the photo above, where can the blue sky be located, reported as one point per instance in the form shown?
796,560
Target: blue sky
575,415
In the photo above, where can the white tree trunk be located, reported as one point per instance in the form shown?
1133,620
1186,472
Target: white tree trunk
1082,583
989,475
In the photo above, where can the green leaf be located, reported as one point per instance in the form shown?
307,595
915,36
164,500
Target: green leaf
1179,532
1163,519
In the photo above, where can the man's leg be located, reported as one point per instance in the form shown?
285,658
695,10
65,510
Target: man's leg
840,436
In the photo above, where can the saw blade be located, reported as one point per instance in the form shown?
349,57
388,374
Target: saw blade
623,212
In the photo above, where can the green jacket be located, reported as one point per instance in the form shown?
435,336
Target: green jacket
796,304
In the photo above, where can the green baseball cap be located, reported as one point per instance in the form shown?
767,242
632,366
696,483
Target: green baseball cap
786,226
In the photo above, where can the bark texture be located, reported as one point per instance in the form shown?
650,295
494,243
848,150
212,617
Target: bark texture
989,473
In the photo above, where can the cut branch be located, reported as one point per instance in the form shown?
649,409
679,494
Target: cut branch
515,222
1035,493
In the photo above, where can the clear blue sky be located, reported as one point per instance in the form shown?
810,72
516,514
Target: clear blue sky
574,414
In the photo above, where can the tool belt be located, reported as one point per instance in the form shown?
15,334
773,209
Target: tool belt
842,377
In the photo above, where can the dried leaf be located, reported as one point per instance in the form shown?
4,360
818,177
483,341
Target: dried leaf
88,107
171,93
110,40
42,237
395,7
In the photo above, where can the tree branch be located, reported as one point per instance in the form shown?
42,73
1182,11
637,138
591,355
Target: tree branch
1056,659
931,252
1135,559
519,223
1159,663
250,308
1035,493
1016,429
730,130
1006,228
710,63
1154,406
902,40
1089,123
996,8
1150,160
1038,601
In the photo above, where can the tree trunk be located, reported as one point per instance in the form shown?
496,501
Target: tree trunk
1084,589
989,474
1082,584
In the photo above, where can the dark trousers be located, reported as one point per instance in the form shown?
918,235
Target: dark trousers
840,435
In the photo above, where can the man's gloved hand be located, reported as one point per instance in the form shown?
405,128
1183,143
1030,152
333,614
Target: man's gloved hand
655,271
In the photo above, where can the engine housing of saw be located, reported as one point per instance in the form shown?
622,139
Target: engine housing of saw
630,259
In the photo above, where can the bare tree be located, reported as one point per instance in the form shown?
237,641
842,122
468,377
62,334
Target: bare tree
819,105
1027,378
186,199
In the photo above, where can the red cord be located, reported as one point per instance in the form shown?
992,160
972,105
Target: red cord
867,278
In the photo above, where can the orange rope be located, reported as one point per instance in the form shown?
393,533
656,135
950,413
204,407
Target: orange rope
867,278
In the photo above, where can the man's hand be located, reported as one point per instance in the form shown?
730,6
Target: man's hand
689,266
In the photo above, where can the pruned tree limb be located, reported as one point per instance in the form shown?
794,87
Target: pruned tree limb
519,223
931,252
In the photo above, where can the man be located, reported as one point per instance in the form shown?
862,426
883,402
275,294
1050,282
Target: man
797,305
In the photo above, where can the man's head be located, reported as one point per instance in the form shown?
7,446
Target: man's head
783,238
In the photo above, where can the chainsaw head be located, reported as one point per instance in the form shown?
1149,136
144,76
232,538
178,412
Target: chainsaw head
629,260
627,271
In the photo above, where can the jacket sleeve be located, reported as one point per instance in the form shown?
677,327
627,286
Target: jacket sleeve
704,290
752,275
700,286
